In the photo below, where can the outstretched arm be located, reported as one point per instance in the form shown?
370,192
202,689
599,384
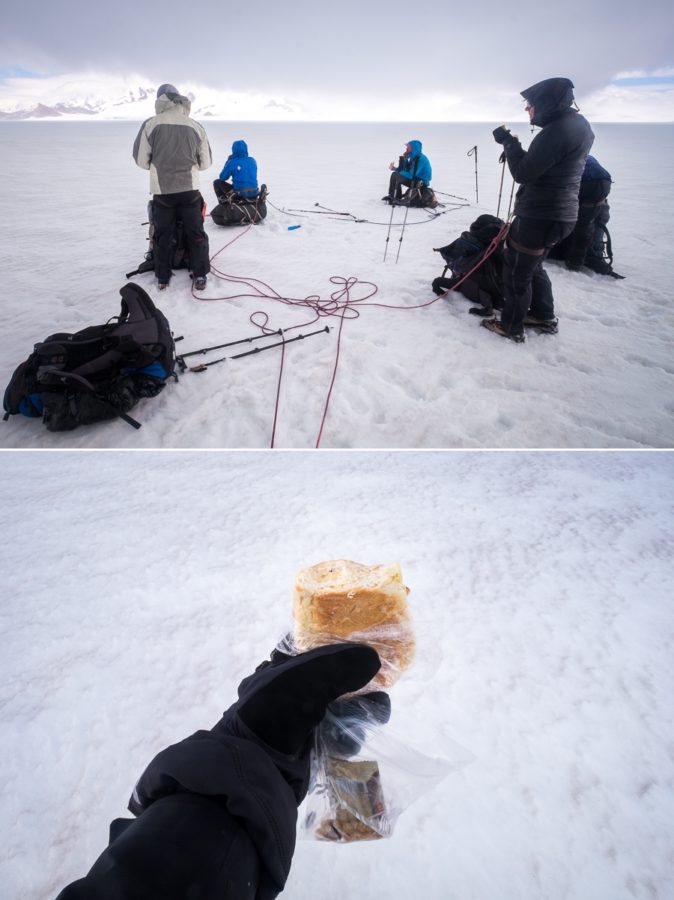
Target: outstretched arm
216,813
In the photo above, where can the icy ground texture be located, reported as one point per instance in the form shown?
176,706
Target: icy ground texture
141,587
431,377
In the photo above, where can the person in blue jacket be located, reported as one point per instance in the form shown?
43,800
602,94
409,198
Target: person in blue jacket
413,167
242,169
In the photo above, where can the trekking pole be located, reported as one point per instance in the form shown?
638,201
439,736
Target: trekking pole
410,189
300,337
473,152
409,195
203,350
334,212
322,212
510,202
445,194
402,230
388,233
500,188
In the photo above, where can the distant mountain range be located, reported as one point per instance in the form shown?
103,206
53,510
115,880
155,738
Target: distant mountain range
137,103
125,106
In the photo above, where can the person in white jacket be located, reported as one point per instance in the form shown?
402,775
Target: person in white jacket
175,148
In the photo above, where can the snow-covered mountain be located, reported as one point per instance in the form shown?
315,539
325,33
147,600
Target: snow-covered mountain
103,97
46,99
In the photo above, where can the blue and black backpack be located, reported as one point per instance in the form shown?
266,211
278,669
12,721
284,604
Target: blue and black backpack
98,373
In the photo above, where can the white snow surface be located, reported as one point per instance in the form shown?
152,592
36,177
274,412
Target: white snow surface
414,378
139,588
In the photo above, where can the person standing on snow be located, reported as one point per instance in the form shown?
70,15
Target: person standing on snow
242,169
546,207
413,169
175,148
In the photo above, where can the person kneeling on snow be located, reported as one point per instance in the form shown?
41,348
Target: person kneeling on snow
585,245
242,169
413,172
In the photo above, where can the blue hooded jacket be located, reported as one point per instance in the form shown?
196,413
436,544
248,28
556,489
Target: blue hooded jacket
242,169
422,170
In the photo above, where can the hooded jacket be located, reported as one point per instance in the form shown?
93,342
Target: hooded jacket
172,146
550,171
416,165
242,169
595,185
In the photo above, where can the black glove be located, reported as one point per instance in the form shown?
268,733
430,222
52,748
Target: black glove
502,135
502,157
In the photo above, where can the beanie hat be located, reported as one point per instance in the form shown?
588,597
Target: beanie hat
167,89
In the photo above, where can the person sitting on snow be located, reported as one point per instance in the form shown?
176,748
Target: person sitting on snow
242,169
414,172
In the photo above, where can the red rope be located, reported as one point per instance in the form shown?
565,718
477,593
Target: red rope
340,304
278,394
348,284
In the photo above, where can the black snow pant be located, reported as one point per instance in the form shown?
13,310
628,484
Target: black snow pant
166,209
224,188
526,286
581,238
395,186
216,820
594,258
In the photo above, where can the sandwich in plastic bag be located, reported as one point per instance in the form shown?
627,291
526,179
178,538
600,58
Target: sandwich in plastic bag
362,775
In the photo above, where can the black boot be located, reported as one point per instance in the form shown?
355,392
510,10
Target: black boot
283,702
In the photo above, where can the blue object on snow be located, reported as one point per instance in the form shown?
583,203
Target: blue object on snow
293,227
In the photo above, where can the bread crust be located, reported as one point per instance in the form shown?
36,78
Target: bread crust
344,600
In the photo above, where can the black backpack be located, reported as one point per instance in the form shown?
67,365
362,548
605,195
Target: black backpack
599,255
463,253
179,254
418,197
97,373
237,210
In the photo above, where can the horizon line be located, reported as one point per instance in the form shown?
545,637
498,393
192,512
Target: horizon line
94,118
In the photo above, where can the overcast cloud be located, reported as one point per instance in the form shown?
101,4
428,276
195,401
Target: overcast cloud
366,50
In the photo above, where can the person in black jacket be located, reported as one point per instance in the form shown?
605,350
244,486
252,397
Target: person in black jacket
585,245
546,206
594,189
216,813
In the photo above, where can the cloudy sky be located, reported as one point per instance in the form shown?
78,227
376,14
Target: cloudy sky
352,59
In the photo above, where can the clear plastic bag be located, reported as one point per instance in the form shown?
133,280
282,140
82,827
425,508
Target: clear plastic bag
341,600
363,776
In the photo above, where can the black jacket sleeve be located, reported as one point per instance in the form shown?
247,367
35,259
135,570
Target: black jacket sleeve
217,817
550,171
